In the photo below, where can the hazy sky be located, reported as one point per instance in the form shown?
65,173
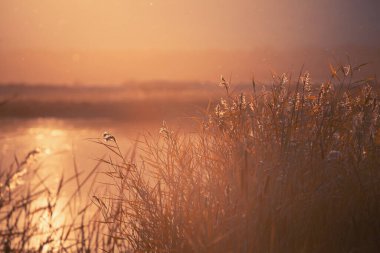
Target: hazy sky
170,25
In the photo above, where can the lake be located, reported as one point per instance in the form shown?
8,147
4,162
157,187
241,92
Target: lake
63,142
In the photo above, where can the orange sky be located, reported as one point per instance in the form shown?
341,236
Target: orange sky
113,41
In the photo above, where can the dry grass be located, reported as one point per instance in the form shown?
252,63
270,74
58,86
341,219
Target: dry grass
293,168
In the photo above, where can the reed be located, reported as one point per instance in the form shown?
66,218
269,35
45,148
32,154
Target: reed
289,167
38,218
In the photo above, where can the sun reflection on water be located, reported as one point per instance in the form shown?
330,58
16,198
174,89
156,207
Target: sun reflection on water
50,223
57,151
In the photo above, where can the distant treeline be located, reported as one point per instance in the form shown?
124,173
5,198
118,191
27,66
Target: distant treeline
129,102
123,110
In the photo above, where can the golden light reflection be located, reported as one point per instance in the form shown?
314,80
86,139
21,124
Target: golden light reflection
50,222
50,140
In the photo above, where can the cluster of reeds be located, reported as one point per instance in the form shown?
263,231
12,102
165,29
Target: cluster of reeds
290,167
35,217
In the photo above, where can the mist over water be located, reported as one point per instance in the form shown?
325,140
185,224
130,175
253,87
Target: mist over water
61,122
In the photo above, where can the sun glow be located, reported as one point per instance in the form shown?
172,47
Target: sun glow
50,223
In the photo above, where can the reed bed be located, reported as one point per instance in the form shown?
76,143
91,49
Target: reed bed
289,167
